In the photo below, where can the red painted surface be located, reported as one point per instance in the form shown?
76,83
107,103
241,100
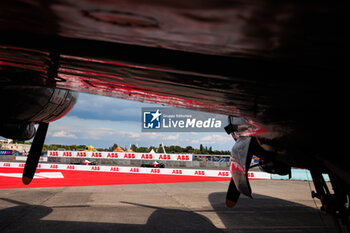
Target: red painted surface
90,178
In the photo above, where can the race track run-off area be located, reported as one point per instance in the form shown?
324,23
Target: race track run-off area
64,175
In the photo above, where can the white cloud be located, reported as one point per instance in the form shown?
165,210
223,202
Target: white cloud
107,108
195,141
131,134
63,134
214,139
173,137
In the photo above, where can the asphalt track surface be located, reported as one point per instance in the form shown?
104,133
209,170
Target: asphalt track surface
278,206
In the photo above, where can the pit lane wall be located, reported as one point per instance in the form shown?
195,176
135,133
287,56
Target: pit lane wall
141,170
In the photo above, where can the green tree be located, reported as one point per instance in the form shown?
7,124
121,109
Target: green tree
160,149
133,147
201,148
112,148
142,149
189,149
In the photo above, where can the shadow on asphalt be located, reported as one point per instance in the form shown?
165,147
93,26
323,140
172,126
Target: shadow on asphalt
268,214
263,214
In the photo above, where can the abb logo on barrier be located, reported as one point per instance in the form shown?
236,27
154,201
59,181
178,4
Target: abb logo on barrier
183,157
114,169
81,154
155,171
7,164
147,156
71,167
112,155
199,173
96,155
21,165
54,166
129,156
95,168
224,174
134,170
39,166
177,172
53,153
165,157
67,154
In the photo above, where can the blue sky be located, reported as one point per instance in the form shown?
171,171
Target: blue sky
102,121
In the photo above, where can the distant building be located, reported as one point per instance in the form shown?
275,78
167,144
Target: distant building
9,145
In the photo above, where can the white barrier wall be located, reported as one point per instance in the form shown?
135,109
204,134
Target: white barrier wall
24,158
120,155
141,170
